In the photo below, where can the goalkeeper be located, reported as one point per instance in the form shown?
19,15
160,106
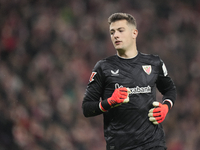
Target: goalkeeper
122,87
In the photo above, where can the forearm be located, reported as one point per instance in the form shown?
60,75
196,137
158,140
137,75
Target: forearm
169,97
94,108
91,108
166,86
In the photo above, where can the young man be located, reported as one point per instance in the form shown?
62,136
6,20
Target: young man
126,83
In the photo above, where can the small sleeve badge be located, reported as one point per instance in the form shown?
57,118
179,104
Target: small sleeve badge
92,76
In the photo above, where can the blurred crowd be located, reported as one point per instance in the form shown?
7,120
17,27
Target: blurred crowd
48,49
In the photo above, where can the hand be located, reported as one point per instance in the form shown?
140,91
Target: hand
119,96
158,114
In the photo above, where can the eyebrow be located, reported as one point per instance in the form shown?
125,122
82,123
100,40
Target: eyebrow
117,29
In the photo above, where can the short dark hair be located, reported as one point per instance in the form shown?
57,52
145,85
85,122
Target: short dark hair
122,16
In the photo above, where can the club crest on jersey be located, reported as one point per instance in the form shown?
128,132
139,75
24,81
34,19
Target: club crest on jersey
92,76
147,69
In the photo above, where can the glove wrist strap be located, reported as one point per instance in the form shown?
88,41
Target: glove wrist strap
101,107
104,105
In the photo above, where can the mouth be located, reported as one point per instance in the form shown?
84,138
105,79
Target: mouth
117,42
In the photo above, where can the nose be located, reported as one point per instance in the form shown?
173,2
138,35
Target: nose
116,35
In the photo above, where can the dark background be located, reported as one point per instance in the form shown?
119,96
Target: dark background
48,49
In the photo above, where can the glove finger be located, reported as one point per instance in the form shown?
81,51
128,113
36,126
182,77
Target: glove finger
156,104
126,100
152,119
156,110
128,90
158,118
150,114
123,93
123,96
151,110
160,121
156,114
155,122
123,89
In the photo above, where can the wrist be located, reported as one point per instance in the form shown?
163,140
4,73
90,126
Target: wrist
168,103
104,105
101,107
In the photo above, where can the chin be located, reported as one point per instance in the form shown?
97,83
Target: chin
120,49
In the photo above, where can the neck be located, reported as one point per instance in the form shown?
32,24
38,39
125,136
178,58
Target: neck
127,54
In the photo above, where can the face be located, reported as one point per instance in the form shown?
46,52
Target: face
122,35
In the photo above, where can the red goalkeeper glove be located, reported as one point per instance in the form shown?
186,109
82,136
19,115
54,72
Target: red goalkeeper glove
119,96
158,114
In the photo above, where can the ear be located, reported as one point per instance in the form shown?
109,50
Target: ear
134,33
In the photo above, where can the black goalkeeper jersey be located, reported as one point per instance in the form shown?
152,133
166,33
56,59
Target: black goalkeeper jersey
127,127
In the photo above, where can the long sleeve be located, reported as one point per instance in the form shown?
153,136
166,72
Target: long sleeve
166,86
93,92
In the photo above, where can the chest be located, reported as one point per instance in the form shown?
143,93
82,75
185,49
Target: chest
135,75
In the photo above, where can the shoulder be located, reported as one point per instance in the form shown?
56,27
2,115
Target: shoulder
150,58
104,62
110,58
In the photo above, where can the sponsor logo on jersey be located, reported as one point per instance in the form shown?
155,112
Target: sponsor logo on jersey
92,76
147,69
115,73
137,89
